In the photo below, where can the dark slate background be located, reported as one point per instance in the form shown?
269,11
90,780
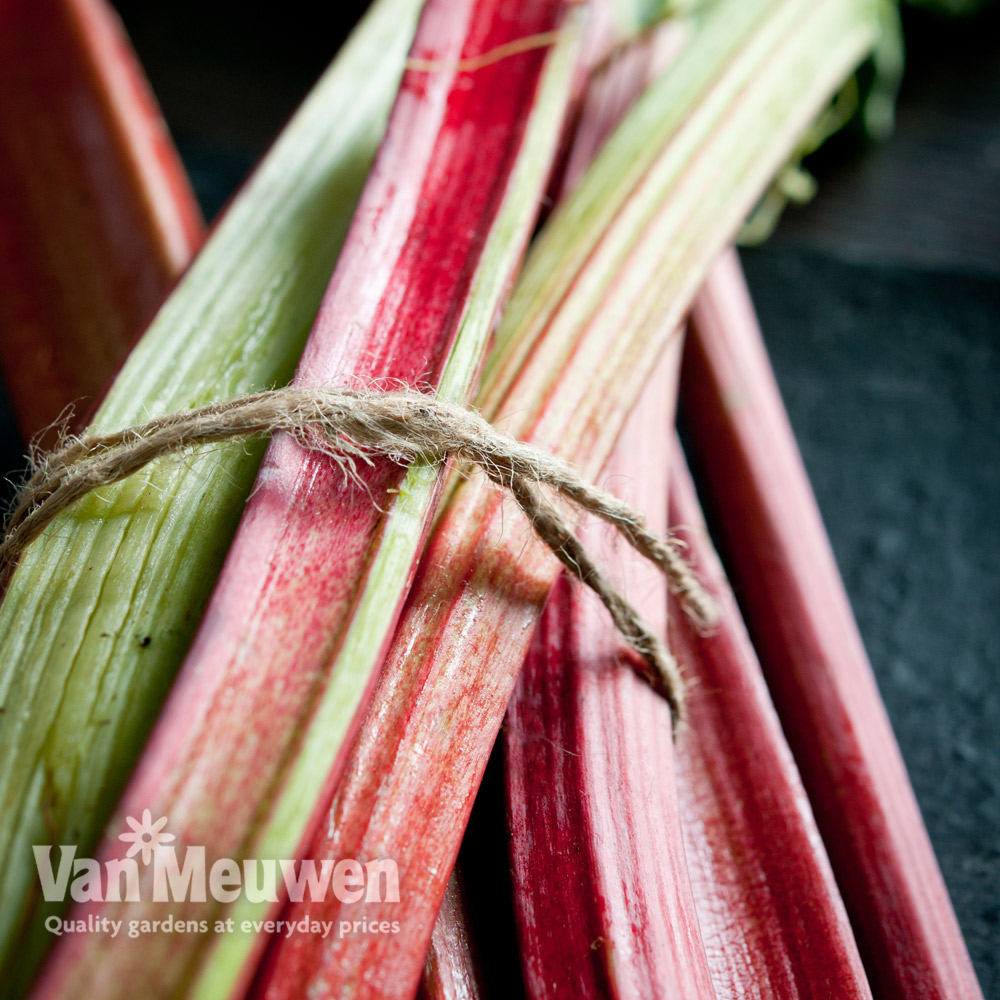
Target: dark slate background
880,304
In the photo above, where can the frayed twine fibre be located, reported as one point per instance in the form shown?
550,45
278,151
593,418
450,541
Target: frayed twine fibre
355,426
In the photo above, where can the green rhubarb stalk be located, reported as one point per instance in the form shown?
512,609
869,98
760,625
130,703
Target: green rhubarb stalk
102,607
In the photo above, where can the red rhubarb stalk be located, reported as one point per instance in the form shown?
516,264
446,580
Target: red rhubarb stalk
451,971
313,582
592,807
569,368
782,567
769,909
620,74
602,895
97,218
596,818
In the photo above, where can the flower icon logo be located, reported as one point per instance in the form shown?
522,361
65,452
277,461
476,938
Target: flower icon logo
146,836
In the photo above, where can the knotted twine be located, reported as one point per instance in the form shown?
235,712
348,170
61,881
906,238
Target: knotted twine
356,426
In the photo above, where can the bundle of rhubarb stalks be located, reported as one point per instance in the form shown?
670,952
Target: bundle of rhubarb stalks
248,700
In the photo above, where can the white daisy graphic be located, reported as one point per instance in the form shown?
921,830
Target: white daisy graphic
146,836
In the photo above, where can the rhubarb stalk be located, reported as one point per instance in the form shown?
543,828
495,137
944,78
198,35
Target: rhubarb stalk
633,242
311,588
768,906
103,606
602,895
451,971
592,808
97,218
574,731
783,569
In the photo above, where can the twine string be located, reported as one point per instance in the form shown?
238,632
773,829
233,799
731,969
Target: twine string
470,64
353,427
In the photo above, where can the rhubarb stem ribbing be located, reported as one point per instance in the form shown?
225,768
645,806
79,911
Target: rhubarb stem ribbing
785,574
569,367
602,895
266,700
103,605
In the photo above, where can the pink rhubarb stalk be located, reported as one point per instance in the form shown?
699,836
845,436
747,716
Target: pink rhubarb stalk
451,971
591,791
619,76
568,370
782,567
97,218
309,593
770,913
602,896
597,820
